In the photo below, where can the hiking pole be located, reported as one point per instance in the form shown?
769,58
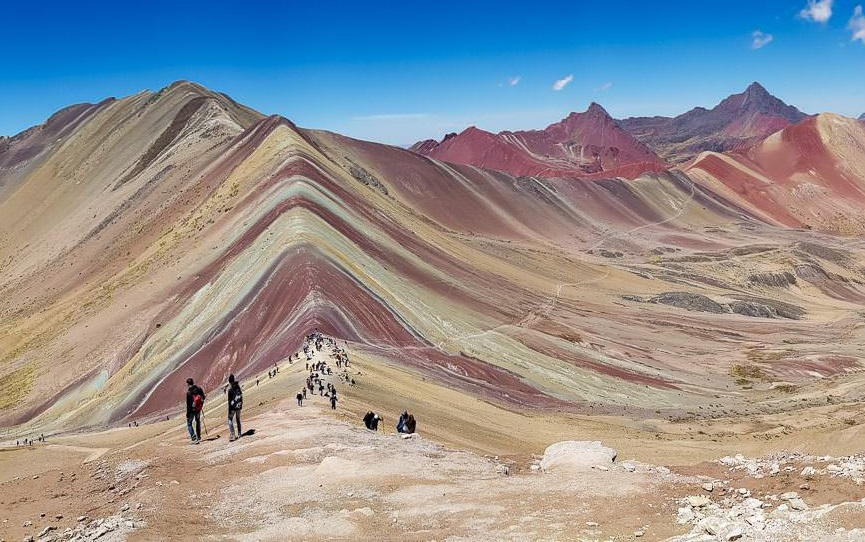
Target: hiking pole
204,424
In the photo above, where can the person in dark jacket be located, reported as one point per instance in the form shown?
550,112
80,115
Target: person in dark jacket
191,413
235,404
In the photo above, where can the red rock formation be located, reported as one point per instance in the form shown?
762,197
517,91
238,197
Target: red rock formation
581,145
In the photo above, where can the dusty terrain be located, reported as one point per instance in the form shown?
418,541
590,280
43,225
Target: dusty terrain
309,472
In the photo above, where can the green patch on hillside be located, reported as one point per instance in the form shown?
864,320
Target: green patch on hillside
15,386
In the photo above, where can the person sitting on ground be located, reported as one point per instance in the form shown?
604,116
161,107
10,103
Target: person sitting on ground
400,424
410,424
367,419
235,404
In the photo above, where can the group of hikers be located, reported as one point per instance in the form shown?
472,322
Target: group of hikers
30,441
195,395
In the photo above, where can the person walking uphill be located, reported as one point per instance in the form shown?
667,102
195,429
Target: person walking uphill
235,404
194,403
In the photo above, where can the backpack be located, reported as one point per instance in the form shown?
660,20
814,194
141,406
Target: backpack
237,400
197,402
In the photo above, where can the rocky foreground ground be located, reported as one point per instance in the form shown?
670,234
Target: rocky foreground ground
308,473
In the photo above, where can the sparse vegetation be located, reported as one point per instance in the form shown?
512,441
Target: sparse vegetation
743,372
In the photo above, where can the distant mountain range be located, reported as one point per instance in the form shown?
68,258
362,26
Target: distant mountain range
594,144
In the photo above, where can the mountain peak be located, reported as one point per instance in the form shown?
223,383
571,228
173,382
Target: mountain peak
597,109
756,88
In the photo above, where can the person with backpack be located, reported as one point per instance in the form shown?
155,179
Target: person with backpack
194,403
235,404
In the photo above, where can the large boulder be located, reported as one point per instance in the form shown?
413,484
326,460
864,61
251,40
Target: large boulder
576,455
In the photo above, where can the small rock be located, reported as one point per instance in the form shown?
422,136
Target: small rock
805,487
503,469
601,467
708,486
535,468
713,525
591,523
755,521
685,516
798,504
124,508
638,534
744,491
732,532
42,515
175,482
789,496
774,469
629,467
808,471
698,501
35,476
81,518
753,503
58,516
129,525
138,506
662,470
27,523
45,531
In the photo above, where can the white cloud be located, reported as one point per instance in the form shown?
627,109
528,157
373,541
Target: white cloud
562,83
818,11
857,25
760,40
514,81
605,86
391,116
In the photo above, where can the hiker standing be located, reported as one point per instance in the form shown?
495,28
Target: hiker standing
194,403
333,401
235,404
300,399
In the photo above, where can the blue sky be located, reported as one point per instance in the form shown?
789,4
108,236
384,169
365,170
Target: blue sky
397,72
